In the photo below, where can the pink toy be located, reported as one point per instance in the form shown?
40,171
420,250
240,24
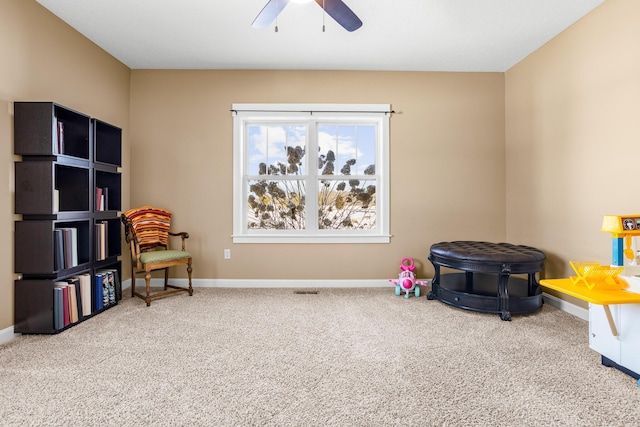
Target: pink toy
407,280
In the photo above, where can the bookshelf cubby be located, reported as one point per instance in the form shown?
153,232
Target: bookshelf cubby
45,187
65,240
108,184
40,259
108,147
38,127
113,246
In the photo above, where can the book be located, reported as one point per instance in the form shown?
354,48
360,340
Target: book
101,240
105,290
65,305
85,293
65,301
109,278
78,298
73,303
98,302
60,136
74,246
99,200
66,246
98,240
117,284
58,250
104,232
75,299
58,315
56,200
105,198
55,137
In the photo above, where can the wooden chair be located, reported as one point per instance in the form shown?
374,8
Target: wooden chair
147,232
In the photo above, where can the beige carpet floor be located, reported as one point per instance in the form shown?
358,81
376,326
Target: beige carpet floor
342,357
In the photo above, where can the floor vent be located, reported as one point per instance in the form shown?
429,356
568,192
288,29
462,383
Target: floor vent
306,292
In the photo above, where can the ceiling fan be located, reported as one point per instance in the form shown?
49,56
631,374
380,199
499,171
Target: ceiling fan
335,8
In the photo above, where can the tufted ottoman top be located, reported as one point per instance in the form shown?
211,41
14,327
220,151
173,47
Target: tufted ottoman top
487,251
474,255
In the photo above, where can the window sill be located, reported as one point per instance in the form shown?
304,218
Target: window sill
354,239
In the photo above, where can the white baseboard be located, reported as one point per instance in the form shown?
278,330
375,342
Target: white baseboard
262,283
582,313
7,335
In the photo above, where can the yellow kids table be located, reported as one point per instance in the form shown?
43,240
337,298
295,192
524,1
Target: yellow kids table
595,295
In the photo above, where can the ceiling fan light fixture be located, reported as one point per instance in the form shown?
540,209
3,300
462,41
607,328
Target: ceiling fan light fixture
336,9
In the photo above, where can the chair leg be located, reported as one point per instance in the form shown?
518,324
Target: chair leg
133,281
189,269
166,278
147,279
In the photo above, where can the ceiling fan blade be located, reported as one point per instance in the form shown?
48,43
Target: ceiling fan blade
268,13
341,13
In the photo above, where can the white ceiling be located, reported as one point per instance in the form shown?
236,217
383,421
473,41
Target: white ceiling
410,35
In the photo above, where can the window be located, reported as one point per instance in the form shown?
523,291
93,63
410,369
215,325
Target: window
311,173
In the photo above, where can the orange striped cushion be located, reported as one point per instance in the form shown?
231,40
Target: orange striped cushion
151,225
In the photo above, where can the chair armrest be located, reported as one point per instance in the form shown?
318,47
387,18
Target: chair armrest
183,235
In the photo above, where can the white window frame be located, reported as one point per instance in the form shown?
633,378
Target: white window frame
310,113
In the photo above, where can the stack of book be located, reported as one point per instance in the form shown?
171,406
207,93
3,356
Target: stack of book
107,288
102,248
80,296
65,247
102,198
58,146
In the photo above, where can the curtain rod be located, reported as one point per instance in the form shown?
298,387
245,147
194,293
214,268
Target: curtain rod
310,111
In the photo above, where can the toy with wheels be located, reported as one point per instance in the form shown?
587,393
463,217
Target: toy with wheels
406,281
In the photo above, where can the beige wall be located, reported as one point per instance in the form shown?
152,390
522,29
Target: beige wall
43,59
447,164
573,137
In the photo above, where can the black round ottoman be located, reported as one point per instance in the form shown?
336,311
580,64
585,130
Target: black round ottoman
486,284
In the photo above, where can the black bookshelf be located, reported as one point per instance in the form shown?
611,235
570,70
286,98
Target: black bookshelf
69,193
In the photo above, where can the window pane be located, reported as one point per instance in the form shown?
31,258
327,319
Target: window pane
276,150
276,205
366,164
327,147
346,204
346,149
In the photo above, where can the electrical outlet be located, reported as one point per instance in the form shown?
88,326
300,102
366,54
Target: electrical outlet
227,254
